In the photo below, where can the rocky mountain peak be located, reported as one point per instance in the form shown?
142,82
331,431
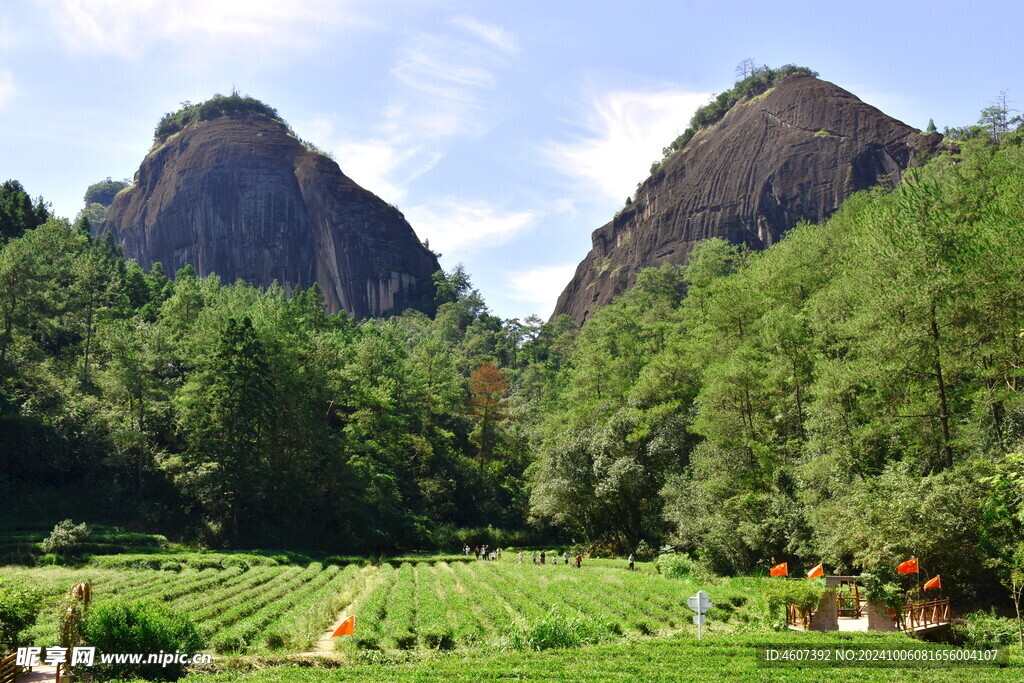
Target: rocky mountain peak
793,152
231,190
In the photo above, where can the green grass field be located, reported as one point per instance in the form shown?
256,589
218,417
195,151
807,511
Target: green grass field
20,542
721,656
254,608
445,619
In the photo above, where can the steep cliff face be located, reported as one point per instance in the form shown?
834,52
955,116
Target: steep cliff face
795,152
240,197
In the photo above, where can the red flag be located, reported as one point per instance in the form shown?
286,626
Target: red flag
779,570
934,582
347,627
908,567
817,571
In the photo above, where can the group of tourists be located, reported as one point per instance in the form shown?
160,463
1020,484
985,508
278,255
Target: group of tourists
542,558
483,551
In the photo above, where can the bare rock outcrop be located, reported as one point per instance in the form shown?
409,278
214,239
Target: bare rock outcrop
792,153
241,197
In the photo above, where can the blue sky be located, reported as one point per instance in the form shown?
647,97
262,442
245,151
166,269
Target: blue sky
506,132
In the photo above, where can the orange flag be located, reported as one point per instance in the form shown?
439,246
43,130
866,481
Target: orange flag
908,567
817,571
347,627
779,570
934,582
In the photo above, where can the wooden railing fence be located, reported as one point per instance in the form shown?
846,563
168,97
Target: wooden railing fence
796,617
925,613
9,669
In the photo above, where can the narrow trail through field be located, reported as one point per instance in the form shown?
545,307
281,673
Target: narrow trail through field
370,577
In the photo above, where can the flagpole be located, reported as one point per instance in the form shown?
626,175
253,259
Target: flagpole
920,591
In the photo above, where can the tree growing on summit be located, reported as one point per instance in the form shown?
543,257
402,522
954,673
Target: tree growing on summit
103,192
996,118
745,68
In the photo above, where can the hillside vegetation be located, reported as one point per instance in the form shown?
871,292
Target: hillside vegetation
216,106
851,395
227,414
755,83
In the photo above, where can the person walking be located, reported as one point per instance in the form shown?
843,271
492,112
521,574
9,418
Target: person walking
535,557
520,557
631,561
565,558
543,557
579,560
476,551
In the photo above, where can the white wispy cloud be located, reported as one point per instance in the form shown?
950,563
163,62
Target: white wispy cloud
129,27
540,286
373,162
7,89
625,132
457,226
495,35
445,87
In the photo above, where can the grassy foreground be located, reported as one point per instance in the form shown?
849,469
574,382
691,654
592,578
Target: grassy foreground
728,656
446,620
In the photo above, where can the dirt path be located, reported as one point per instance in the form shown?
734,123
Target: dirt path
40,674
370,577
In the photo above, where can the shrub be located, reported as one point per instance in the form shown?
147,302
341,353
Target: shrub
644,552
19,607
103,192
985,631
178,561
143,627
806,594
678,566
878,589
555,630
218,105
65,539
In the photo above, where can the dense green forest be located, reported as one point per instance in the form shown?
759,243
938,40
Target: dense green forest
851,395
230,415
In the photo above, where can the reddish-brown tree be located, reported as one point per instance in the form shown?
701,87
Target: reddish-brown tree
488,387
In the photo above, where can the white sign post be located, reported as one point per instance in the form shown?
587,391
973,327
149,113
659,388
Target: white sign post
699,603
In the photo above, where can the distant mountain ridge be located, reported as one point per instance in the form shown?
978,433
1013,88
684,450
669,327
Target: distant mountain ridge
238,195
792,153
